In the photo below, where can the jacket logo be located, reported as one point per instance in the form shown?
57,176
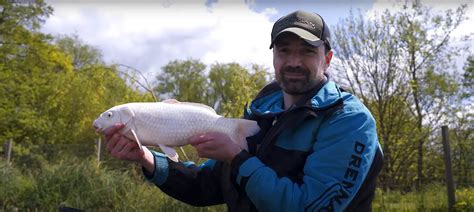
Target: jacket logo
352,170
350,177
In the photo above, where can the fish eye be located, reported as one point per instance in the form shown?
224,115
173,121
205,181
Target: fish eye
109,114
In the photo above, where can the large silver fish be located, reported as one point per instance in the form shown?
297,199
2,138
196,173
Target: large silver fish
171,123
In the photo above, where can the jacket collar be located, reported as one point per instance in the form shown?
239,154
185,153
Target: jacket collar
272,104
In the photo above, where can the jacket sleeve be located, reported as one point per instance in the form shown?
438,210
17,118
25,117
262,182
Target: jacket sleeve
333,172
194,185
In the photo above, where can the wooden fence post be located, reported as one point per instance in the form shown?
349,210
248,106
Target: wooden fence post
99,142
7,148
448,169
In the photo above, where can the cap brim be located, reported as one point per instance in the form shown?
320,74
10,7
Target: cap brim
305,35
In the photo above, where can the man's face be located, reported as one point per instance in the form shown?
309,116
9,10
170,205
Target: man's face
299,66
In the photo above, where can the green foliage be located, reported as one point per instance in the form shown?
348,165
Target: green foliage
30,16
82,184
227,87
82,55
464,199
14,187
401,64
233,86
50,93
468,78
183,80
430,198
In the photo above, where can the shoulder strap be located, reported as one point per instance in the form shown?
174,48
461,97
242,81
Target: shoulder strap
295,118
295,115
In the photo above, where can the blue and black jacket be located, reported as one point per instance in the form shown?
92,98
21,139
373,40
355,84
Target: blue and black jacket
323,155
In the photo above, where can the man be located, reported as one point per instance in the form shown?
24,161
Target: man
317,150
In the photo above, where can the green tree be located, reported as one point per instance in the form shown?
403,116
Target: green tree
92,88
233,86
183,80
225,87
367,62
50,93
468,80
82,55
461,128
31,70
426,43
401,62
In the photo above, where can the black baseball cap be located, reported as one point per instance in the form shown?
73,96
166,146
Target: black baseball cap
308,26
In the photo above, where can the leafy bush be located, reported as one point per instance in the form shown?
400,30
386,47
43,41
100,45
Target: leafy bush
464,199
13,187
85,185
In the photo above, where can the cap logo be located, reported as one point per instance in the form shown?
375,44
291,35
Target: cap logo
293,20
312,23
304,21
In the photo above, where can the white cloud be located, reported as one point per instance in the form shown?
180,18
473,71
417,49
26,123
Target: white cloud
148,35
270,11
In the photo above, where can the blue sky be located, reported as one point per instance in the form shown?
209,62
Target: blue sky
331,10
147,34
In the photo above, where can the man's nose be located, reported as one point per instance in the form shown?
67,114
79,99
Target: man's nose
294,60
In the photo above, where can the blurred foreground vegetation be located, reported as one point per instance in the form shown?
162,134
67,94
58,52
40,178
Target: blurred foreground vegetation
86,185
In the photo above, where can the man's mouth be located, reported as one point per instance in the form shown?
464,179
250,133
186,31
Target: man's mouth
294,75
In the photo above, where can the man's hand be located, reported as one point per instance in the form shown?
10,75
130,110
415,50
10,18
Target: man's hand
123,148
216,146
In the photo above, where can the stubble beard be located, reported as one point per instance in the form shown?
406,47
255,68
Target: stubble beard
298,86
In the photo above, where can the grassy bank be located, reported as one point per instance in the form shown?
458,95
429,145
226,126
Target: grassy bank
431,198
84,184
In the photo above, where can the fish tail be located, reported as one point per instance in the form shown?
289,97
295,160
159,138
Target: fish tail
244,129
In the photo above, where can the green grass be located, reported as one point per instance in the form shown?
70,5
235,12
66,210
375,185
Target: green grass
431,198
83,184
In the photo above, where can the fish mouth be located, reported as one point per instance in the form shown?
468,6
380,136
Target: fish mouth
98,129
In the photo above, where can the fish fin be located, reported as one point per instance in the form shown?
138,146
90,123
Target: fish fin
199,105
127,110
136,139
174,101
170,152
245,128
171,101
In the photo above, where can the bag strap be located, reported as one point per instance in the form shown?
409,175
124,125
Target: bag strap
296,114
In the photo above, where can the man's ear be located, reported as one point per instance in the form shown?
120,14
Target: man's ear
328,57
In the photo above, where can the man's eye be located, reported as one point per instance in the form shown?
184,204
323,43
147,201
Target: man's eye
309,51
